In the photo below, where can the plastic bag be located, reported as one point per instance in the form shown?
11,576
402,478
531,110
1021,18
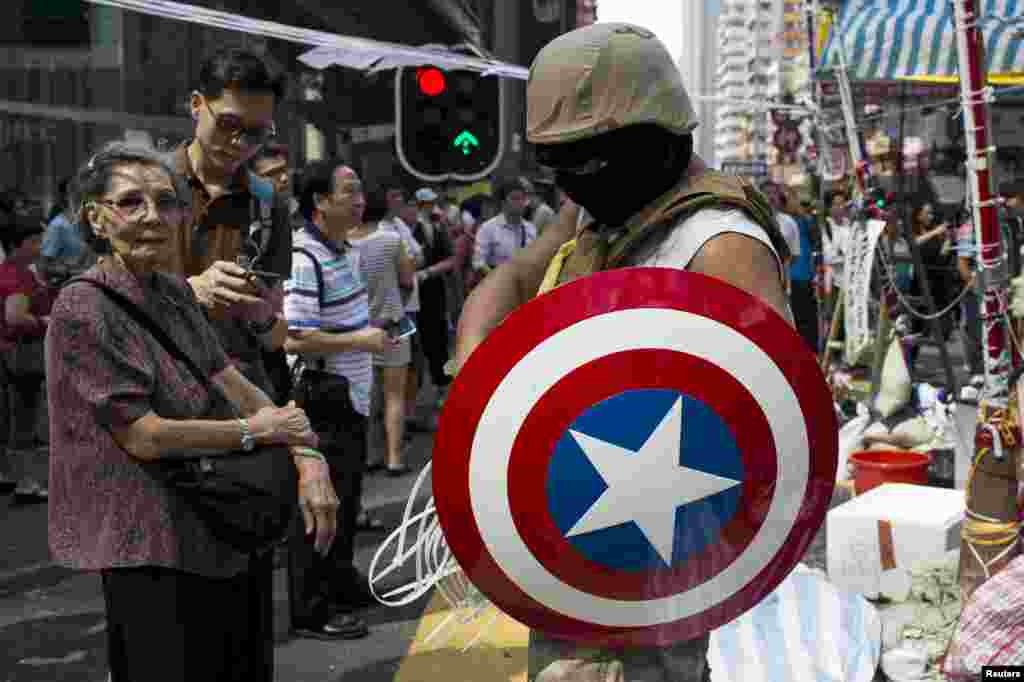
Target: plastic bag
807,630
895,390
850,441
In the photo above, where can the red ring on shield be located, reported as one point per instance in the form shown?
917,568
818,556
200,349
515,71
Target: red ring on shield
638,370
535,322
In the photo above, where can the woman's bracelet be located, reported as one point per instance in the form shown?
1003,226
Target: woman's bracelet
309,452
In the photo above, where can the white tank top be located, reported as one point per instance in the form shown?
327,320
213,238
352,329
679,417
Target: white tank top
676,248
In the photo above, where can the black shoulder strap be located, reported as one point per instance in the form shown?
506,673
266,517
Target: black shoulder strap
319,273
147,323
321,362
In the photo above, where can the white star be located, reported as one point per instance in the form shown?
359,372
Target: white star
646,486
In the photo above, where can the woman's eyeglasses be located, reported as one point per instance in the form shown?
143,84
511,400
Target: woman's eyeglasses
133,207
232,126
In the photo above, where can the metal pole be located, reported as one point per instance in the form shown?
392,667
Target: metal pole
860,167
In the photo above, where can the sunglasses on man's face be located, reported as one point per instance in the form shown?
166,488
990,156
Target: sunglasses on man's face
234,127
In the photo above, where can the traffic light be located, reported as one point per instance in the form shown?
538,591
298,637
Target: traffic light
448,123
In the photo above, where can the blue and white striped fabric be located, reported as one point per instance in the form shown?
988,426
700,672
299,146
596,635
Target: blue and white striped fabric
805,631
886,39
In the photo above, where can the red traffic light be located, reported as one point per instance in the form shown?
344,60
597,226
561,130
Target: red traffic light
431,81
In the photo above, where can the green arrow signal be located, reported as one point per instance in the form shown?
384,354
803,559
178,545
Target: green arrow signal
466,141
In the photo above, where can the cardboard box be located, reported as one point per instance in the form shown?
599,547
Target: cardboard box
874,538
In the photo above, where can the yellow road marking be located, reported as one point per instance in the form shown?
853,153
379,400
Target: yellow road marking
498,656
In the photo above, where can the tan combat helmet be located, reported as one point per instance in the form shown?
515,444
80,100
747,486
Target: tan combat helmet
600,78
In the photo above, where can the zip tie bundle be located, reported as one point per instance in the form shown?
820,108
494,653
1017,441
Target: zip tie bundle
419,538
429,550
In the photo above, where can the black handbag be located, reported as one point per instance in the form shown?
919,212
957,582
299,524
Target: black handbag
247,499
26,359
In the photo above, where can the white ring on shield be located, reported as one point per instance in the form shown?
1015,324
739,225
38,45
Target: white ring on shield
591,339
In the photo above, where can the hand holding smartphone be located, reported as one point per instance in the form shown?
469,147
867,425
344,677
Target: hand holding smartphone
268,279
402,329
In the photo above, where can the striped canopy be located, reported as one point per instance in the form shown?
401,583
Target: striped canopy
887,39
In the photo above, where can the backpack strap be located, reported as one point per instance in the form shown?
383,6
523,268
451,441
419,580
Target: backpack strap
261,213
318,269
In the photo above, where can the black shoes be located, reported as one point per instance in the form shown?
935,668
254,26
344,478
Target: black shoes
342,626
396,472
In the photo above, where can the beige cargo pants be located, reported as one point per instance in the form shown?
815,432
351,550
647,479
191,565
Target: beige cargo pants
553,660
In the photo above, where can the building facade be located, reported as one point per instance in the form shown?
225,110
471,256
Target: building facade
698,65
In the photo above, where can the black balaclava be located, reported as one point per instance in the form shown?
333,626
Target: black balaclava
639,164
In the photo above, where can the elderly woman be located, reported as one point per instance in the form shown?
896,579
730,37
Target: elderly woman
181,603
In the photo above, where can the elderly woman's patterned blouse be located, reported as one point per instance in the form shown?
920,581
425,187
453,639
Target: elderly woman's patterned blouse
108,509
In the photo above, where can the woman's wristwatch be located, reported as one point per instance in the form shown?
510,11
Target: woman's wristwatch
248,439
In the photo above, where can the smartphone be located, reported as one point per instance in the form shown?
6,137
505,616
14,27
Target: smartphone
403,329
269,279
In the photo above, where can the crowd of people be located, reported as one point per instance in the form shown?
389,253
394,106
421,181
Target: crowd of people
316,308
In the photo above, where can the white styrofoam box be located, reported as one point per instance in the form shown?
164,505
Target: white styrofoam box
965,419
924,522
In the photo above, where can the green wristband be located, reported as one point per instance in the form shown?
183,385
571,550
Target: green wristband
311,453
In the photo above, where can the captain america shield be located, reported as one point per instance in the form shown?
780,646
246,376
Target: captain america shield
635,458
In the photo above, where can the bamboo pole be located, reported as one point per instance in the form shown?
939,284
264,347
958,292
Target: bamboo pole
989,538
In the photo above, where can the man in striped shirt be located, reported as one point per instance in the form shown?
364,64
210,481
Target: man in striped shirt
327,309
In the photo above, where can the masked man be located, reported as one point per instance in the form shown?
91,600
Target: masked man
608,112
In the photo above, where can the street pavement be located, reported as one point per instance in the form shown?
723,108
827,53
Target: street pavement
52,625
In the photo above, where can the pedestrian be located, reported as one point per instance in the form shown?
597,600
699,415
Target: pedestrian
462,233
64,253
471,211
934,242
776,196
387,268
438,261
633,99
506,233
803,299
237,227
24,315
328,314
537,211
835,241
271,164
400,218
181,604
970,305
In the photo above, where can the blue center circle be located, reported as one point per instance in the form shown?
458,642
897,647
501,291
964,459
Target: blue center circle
628,419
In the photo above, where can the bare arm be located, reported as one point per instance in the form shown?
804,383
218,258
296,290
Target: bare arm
245,395
963,266
152,437
930,235
406,266
316,342
511,285
746,263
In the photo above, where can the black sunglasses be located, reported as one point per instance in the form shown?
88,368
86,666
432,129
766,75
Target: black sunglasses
233,126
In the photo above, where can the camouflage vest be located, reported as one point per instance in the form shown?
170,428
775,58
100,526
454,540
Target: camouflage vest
592,251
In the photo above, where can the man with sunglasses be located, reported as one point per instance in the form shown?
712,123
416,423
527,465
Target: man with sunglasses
236,250
238,225
608,112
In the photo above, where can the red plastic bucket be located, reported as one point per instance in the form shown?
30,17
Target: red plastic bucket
872,468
